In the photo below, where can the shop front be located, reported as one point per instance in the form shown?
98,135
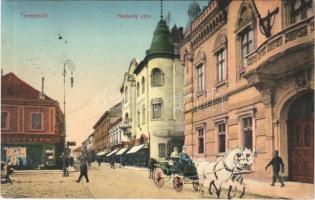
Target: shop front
32,156
138,156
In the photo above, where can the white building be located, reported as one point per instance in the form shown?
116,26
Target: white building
116,137
153,96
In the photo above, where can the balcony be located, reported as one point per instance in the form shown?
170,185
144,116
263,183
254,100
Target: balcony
282,54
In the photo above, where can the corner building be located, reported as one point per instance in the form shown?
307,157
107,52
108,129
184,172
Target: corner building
251,85
153,96
31,126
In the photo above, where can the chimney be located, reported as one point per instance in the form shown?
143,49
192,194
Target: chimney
42,94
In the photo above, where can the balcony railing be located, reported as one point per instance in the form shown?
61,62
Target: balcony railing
298,33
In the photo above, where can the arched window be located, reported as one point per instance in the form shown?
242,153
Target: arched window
246,34
157,77
143,85
220,52
138,89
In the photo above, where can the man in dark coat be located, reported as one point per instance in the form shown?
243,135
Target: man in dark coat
276,163
83,171
112,162
99,160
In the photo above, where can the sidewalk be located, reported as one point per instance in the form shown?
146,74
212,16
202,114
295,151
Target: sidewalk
44,171
127,167
292,190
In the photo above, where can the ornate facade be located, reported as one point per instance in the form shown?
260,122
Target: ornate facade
249,82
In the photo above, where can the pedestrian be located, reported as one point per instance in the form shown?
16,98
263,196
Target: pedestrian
2,166
8,170
71,161
112,162
276,163
99,161
83,171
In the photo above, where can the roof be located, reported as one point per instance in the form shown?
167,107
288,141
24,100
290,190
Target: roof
161,46
115,123
116,107
12,87
91,135
162,41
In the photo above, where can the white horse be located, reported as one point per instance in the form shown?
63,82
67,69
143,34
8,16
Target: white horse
221,171
237,178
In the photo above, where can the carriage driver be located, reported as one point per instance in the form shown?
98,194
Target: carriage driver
184,157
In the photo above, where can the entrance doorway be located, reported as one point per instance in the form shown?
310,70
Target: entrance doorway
301,139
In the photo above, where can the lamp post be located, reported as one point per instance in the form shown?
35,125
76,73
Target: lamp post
71,67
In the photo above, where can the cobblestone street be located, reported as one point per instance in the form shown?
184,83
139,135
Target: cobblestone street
104,183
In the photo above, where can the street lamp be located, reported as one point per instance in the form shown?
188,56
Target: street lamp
68,64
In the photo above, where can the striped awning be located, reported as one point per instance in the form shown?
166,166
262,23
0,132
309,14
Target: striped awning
135,149
112,152
101,153
121,151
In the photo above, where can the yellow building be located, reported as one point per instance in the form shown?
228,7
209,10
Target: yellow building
249,82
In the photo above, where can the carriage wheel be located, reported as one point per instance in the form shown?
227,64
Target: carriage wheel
158,178
196,185
178,183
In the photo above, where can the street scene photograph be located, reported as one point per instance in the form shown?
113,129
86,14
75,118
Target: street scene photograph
157,99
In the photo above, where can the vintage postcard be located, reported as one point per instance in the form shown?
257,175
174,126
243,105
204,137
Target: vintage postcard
157,99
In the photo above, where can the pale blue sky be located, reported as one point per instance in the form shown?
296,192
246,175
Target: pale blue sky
100,44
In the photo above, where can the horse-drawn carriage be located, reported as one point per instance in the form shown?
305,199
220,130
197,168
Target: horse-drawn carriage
180,172
207,175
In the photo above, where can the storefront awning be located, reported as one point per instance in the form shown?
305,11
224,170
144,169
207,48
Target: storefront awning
112,152
135,149
121,151
101,153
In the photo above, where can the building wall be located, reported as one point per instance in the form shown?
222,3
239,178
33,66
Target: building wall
170,126
36,147
115,134
143,127
102,127
242,94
